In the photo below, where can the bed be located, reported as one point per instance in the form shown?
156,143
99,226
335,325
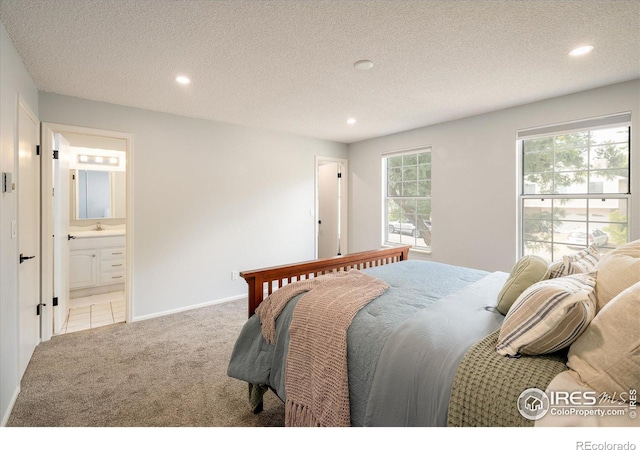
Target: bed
421,351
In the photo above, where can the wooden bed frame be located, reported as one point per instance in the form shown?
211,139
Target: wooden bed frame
265,281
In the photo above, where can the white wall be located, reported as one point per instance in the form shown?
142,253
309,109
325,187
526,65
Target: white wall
209,198
14,81
474,185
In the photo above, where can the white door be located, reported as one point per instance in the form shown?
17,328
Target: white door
331,219
61,217
28,190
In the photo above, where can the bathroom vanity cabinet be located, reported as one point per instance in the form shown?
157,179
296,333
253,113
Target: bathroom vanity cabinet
96,260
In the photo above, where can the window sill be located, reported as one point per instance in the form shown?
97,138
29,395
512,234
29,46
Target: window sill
420,251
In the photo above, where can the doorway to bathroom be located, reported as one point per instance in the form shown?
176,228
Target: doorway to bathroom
88,211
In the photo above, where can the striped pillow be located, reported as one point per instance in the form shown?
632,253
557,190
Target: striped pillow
556,269
582,262
548,316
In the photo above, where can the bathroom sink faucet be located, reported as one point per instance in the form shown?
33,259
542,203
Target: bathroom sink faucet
98,226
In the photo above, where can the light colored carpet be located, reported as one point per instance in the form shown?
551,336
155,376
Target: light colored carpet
164,372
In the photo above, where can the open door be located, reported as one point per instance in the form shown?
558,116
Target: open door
331,208
28,191
61,217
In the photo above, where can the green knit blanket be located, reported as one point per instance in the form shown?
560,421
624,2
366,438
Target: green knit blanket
487,385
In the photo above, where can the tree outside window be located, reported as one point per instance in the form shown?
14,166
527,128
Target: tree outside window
407,204
575,191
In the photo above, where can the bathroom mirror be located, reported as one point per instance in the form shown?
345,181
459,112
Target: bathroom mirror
98,194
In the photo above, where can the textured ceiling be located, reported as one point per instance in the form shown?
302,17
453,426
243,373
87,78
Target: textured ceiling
288,65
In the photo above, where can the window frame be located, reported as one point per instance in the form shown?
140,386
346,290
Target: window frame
598,123
385,197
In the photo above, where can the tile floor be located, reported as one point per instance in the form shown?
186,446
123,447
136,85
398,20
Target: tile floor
94,311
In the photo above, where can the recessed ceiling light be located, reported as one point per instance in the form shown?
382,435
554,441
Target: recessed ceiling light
364,64
351,120
579,51
182,79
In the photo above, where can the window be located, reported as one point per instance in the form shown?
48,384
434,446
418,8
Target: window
575,188
407,198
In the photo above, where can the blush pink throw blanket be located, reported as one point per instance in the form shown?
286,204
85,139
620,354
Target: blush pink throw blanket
316,377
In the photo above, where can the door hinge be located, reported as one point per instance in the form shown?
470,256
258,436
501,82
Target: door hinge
55,154
339,175
39,308
38,150
55,301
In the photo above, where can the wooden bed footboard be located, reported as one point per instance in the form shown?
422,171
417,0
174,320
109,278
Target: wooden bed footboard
264,281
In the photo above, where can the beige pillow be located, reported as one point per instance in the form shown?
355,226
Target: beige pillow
617,271
606,357
548,316
527,271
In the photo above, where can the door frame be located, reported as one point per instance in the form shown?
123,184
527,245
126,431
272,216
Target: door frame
47,131
344,197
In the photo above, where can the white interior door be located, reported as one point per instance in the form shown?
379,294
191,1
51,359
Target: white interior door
328,210
61,217
28,190
331,208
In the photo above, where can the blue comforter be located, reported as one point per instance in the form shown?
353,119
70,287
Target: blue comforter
408,328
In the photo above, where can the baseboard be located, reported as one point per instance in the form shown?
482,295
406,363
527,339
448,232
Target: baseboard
189,308
12,402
